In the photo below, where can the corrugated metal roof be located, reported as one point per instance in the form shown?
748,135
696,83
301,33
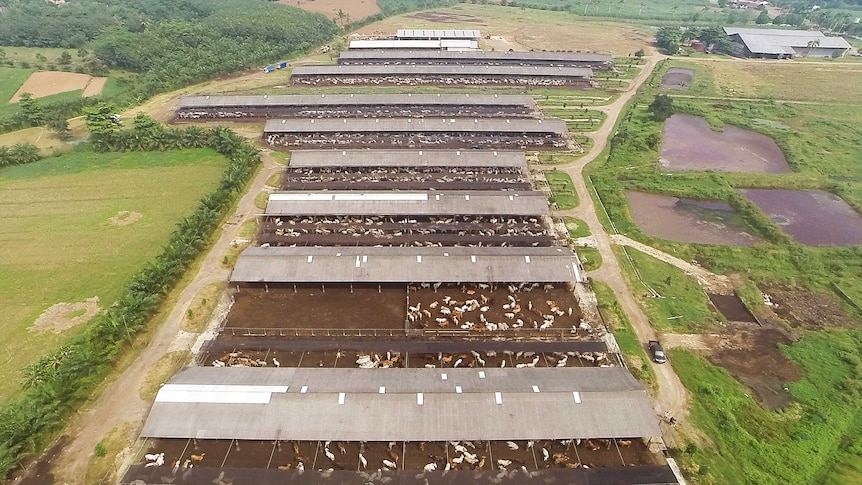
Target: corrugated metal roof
413,203
414,44
348,264
339,404
425,70
417,125
406,158
779,41
190,102
438,34
476,55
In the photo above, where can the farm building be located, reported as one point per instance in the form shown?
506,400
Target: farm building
406,170
201,108
785,44
404,265
390,203
598,62
438,44
407,158
411,133
432,34
310,404
441,74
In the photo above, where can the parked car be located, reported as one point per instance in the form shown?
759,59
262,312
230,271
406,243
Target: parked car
657,352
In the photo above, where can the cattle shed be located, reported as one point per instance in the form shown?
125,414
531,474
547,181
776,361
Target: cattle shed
314,404
440,74
411,125
338,100
445,44
352,264
412,203
431,34
401,56
784,43
407,158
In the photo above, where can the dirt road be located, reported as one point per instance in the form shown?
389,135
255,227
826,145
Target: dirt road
672,396
119,402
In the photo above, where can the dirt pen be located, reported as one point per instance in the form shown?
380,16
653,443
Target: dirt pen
193,461
46,83
469,307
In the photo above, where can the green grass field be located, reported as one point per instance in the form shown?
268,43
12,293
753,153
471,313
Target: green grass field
682,306
11,79
56,222
562,189
811,441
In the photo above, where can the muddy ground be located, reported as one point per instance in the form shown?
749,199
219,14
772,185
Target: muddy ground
750,353
316,306
732,307
677,78
807,309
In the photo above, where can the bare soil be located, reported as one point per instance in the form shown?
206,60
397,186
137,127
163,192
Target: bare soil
124,218
63,316
315,306
94,87
46,83
751,354
354,9
807,309
732,308
677,78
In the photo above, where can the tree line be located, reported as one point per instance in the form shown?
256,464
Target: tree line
167,43
58,383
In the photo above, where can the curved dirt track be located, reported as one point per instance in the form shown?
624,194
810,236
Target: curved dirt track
672,396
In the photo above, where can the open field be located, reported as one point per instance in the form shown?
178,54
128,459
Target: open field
678,10
524,29
801,81
562,189
46,83
10,80
56,222
353,9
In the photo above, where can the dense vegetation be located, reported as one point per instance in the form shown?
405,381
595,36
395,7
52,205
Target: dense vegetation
167,44
18,154
391,7
60,381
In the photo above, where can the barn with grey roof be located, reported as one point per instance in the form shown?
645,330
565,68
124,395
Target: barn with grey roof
193,108
784,43
311,404
404,75
600,62
352,264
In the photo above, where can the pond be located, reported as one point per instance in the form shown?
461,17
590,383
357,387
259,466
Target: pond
811,217
689,143
677,78
689,220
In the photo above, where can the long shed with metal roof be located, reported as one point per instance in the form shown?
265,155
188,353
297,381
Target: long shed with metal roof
310,404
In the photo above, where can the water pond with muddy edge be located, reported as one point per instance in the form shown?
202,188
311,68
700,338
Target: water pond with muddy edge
689,220
810,217
690,144
677,78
